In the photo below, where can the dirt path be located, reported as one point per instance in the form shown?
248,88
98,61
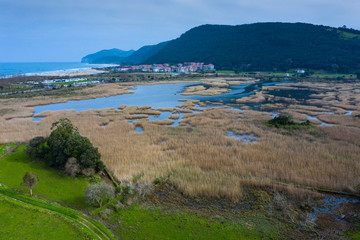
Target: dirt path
78,218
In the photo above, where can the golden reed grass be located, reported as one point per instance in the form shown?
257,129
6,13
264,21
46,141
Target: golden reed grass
200,160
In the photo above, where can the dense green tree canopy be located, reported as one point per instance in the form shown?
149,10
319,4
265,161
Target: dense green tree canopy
36,148
63,143
266,46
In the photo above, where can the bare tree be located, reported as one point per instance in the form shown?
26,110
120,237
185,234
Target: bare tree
30,180
99,193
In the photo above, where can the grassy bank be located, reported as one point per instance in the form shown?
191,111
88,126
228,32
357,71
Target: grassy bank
89,226
53,184
20,222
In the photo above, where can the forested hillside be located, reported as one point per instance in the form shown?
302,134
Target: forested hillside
266,46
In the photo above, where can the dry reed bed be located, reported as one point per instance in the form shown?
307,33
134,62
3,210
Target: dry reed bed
21,107
329,104
221,164
200,161
201,90
216,86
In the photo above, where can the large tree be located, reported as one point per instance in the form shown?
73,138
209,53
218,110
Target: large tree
62,130
65,142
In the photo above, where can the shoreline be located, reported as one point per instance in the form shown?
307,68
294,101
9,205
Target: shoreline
84,72
50,69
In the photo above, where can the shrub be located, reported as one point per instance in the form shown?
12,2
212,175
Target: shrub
281,120
286,121
106,213
157,181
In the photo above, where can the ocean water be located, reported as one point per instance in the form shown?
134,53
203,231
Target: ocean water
41,68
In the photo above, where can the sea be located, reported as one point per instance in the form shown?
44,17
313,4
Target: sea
44,68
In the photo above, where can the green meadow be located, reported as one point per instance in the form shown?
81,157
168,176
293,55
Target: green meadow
53,184
138,222
20,222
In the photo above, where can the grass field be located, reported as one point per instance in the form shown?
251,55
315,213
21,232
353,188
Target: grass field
140,223
17,87
52,185
19,222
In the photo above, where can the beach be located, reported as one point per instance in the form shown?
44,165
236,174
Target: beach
81,72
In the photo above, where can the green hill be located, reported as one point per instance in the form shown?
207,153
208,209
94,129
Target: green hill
266,46
144,53
251,47
107,56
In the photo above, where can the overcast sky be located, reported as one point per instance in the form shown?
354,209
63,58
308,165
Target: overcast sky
66,30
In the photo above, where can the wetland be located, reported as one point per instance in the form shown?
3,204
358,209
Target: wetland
209,146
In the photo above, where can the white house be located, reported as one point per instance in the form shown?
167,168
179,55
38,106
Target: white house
300,71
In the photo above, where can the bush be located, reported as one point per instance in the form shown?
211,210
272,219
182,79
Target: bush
286,121
281,120
157,181
106,213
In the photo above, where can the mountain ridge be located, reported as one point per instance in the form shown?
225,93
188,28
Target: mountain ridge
270,46
107,56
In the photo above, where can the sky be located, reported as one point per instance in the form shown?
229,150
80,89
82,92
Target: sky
67,30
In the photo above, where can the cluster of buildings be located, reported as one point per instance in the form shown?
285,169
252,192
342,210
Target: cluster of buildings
186,67
59,82
63,80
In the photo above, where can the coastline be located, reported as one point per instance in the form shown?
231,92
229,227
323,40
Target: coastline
9,70
83,72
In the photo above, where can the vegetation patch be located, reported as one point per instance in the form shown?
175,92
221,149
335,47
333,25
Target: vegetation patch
140,223
285,121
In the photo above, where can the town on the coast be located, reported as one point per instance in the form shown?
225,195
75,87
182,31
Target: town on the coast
186,67
180,68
